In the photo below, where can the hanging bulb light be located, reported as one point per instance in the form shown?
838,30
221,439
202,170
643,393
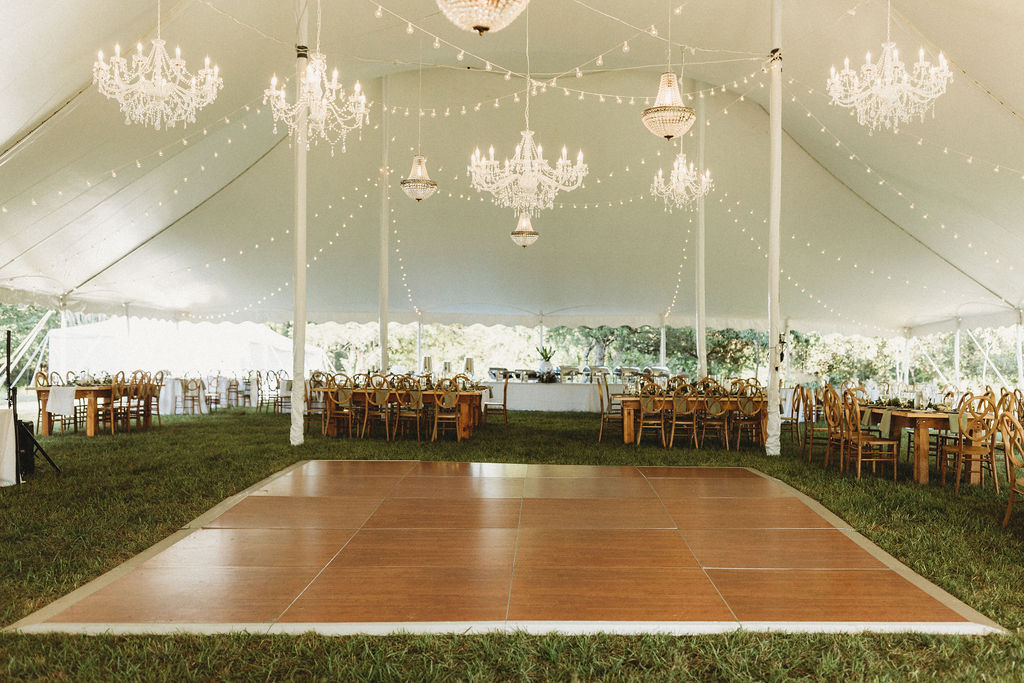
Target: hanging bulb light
668,118
418,185
524,235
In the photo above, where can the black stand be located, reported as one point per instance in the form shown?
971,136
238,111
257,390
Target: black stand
27,446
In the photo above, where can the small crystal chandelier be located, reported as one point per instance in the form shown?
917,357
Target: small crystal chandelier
524,235
418,185
156,90
883,94
668,118
526,183
482,15
330,114
684,186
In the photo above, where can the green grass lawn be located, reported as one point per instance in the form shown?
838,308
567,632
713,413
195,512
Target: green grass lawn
119,495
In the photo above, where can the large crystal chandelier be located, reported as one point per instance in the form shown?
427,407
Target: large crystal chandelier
156,90
524,235
526,182
418,185
668,118
330,114
482,15
883,94
684,185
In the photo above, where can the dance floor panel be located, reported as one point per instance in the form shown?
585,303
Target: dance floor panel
382,546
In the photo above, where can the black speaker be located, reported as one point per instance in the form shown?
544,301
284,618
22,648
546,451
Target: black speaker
25,440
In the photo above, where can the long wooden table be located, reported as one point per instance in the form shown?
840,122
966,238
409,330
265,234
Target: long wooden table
92,416
470,405
920,421
631,405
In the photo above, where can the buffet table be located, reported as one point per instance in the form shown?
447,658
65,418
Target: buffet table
551,397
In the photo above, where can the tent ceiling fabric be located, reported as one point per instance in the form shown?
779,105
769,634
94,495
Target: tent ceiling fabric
881,233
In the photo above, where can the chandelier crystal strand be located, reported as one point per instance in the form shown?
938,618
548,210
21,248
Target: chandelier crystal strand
524,235
156,90
332,114
684,186
526,183
418,185
482,15
882,93
668,118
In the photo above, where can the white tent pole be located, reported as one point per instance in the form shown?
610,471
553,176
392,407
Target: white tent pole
1018,351
987,358
956,355
385,243
661,348
419,346
700,324
296,434
773,445
905,378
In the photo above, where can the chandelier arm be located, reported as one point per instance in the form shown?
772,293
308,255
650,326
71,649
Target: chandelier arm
419,97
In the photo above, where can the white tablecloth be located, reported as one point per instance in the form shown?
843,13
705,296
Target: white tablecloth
172,390
553,397
8,448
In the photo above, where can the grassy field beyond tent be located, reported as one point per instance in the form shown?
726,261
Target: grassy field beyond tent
119,495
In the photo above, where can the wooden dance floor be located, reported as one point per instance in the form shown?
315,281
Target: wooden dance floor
384,546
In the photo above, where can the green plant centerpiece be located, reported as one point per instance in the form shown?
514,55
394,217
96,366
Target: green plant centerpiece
546,354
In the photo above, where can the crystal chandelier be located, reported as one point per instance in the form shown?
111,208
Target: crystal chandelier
524,235
684,186
526,183
156,90
482,15
330,114
418,185
883,94
668,118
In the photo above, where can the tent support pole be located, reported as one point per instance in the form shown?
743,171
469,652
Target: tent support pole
700,324
956,355
935,366
987,358
1018,351
385,244
419,345
297,431
661,347
905,369
773,445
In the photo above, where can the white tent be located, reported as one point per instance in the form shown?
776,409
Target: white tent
881,233
178,347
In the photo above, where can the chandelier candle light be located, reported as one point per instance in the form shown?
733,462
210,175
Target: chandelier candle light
332,114
684,186
883,94
526,183
668,118
156,90
482,15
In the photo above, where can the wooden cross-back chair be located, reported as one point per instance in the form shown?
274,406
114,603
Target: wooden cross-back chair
749,415
1012,434
974,443
715,415
609,414
862,446
446,409
683,414
502,407
652,413
408,406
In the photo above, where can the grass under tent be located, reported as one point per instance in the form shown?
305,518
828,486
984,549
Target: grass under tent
119,495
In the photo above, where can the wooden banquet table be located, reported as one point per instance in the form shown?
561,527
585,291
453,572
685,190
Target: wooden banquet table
920,421
92,417
631,405
470,404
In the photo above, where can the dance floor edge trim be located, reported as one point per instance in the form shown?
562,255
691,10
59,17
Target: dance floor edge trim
676,628
38,622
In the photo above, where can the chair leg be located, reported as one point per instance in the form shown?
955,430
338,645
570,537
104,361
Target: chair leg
1009,507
